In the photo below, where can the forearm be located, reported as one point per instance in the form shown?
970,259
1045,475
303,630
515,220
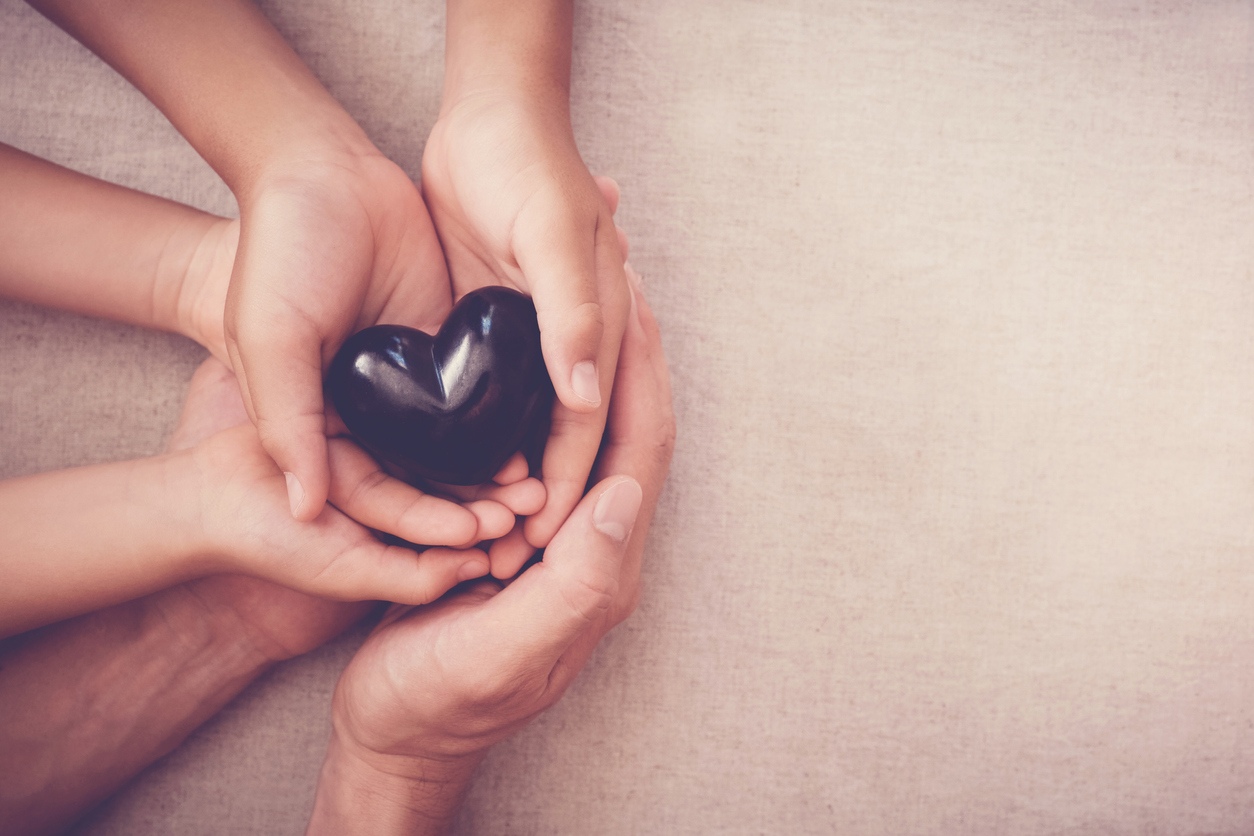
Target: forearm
80,539
381,796
222,75
523,47
81,244
87,703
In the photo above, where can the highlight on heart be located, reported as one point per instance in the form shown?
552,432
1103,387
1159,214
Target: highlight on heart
454,407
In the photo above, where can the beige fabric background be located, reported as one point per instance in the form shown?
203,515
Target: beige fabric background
959,304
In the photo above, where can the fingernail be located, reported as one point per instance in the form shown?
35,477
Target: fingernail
583,379
616,510
471,570
295,493
636,279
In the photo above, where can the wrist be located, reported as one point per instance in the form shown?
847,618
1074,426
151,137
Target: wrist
193,291
91,701
222,74
520,49
361,791
293,146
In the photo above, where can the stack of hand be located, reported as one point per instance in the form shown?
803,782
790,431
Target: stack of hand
161,587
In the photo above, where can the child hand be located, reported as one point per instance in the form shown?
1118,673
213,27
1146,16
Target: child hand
329,243
515,205
279,622
201,298
243,520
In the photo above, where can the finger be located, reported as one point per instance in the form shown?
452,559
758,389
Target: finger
640,442
363,491
375,572
608,187
622,241
555,247
494,520
539,615
509,553
281,380
514,470
575,437
640,435
522,498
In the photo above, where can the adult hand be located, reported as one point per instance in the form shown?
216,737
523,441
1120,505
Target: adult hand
514,204
434,687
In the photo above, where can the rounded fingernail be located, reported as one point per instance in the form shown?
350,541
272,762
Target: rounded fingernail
471,570
616,510
583,379
636,279
295,493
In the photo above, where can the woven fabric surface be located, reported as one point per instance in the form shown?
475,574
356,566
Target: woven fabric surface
959,305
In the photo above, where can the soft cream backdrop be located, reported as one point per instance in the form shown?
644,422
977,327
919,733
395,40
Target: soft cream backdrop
959,302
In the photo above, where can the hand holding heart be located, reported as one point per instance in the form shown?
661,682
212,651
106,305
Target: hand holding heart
434,687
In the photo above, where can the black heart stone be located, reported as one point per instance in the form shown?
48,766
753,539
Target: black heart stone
452,408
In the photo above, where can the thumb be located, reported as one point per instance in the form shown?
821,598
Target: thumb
555,602
281,382
556,251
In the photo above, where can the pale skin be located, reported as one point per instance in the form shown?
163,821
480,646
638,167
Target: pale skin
515,204
434,687
334,237
89,702
220,506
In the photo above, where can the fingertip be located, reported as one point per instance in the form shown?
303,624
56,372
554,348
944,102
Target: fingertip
585,383
510,553
295,493
456,526
476,567
617,508
526,497
514,470
570,339
306,502
608,187
494,519
622,241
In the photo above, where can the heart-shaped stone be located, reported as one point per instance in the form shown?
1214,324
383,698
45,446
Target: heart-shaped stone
452,408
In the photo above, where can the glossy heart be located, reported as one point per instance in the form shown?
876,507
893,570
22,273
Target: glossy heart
452,408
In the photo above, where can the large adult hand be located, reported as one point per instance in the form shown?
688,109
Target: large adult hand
434,687
514,204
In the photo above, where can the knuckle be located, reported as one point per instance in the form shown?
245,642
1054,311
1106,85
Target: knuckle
582,324
361,490
589,597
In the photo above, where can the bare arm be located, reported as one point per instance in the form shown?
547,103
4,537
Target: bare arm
80,244
86,704
221,74
333,236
